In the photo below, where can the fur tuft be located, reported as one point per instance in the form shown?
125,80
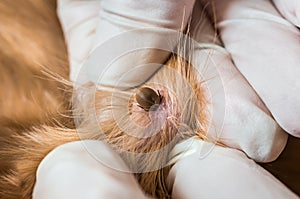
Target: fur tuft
144,139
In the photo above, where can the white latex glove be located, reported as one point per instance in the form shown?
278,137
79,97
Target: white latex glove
72,172
221,173
247,124
265,48
290,9
88,24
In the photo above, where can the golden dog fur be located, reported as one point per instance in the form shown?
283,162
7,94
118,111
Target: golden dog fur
31,41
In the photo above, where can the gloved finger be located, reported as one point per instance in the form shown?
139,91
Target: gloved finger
79,20
290,9
130,36
221,173
239,118
70,171
265,48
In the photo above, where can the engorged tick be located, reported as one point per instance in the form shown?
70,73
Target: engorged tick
148,98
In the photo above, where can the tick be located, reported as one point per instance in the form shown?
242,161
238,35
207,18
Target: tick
148,98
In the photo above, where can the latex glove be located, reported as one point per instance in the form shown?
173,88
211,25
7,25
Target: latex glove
290,9
239,117
221,173
265,48
88,24
72,171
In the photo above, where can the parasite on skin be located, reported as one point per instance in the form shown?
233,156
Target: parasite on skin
147,98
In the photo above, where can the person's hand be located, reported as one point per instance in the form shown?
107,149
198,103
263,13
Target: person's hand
85,169
265,48
290,9
222,173
240,119
88,24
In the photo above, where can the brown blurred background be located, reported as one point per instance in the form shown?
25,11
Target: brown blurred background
31,43
287,167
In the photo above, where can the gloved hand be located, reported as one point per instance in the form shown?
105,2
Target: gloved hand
93,24
72,172
290,9
265,49
221,173
240,119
